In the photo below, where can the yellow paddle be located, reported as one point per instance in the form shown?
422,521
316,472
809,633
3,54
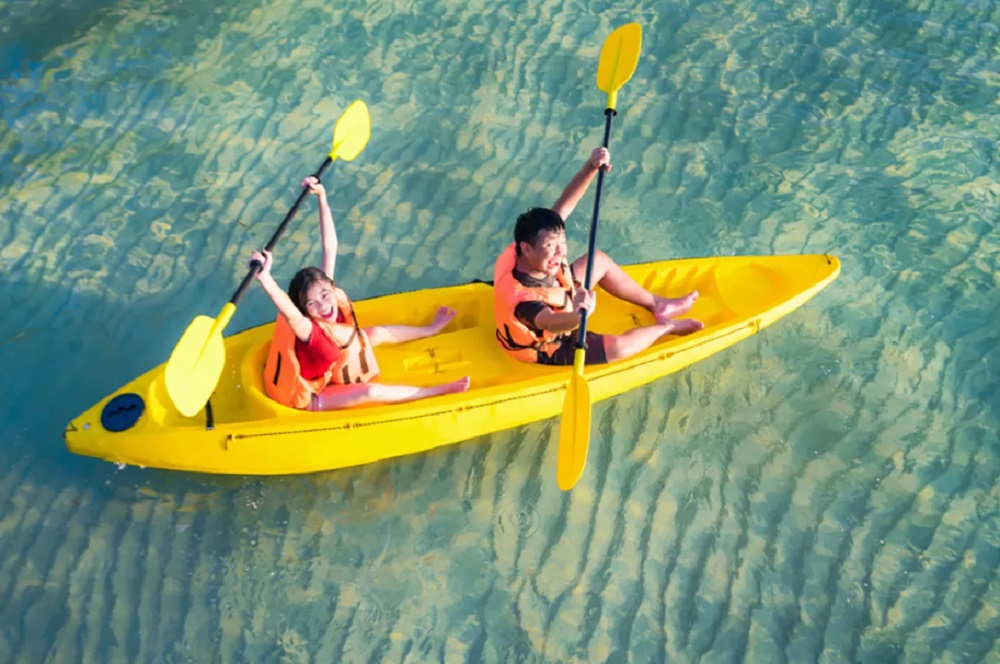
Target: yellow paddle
619,56
196,362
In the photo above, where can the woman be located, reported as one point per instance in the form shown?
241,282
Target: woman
320,357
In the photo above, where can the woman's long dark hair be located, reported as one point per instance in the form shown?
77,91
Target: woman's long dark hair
303,280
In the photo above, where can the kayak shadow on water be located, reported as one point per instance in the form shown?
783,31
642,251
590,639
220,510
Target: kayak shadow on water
62,350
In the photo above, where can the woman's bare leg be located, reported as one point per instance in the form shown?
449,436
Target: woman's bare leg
397,334
616,282
336,397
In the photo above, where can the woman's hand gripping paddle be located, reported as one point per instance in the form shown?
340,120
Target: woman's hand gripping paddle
197,361
619,56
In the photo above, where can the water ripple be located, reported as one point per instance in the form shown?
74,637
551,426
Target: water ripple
824,491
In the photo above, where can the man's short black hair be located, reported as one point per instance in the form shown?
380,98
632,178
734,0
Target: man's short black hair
533,223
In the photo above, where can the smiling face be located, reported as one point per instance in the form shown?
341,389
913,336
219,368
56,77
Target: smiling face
314,293
545,256
321,301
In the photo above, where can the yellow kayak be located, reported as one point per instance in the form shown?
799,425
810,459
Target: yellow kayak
242,431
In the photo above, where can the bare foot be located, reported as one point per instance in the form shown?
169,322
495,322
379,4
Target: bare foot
441,319
684,326
666,308
454,387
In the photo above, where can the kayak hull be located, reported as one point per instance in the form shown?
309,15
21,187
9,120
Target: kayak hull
244,432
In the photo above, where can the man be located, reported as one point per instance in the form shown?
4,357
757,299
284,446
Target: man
538,297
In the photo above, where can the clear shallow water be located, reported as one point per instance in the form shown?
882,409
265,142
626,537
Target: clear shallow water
826,491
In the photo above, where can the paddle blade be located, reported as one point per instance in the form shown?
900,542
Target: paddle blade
574,431
619,57
352,132
196,363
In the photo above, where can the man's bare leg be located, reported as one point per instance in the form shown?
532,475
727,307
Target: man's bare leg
620,346
616,282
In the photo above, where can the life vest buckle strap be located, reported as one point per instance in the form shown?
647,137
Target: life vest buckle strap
277,370
507,341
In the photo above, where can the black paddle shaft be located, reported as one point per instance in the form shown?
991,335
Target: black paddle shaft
256,266
581,340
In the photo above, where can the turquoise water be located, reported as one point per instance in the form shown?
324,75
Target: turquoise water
825,491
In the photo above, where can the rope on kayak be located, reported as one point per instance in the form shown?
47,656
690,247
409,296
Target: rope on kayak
352,425
754,324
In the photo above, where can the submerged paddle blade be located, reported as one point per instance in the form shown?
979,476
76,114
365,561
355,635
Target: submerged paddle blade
194,367
619,56
574,430
352,132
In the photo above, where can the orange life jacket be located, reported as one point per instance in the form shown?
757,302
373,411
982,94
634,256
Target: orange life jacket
283,379
519,340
